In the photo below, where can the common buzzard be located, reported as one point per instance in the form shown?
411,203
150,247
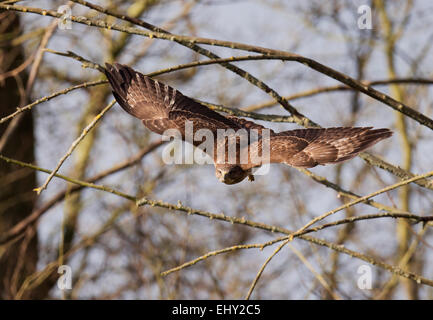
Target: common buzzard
161,107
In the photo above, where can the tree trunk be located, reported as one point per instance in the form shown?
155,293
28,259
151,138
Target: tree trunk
17,259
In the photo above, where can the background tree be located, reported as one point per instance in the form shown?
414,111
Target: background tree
18,259
130,226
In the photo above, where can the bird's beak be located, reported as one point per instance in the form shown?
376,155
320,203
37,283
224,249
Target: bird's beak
224,177
221,175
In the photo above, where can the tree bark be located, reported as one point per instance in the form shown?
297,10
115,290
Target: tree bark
17,259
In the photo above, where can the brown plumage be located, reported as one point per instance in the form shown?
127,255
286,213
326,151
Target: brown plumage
161,107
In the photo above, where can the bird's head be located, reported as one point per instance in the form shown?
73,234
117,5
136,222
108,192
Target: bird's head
232,173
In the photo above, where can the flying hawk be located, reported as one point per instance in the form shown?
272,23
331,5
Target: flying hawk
161,107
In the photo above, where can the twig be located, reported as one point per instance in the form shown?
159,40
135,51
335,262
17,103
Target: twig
214,253
51,96
359,200
313,92
317,275
302,120
395,170
74,145
37,60
84,62
261,246
68,179
387,100
256,279
252,115
233,220
21,226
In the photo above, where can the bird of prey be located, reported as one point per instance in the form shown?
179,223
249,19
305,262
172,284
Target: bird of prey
161,107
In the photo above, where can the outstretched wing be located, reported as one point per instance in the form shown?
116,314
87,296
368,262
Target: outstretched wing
306,148
159,106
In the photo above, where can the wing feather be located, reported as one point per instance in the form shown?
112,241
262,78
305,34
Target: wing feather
307,148
159,106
